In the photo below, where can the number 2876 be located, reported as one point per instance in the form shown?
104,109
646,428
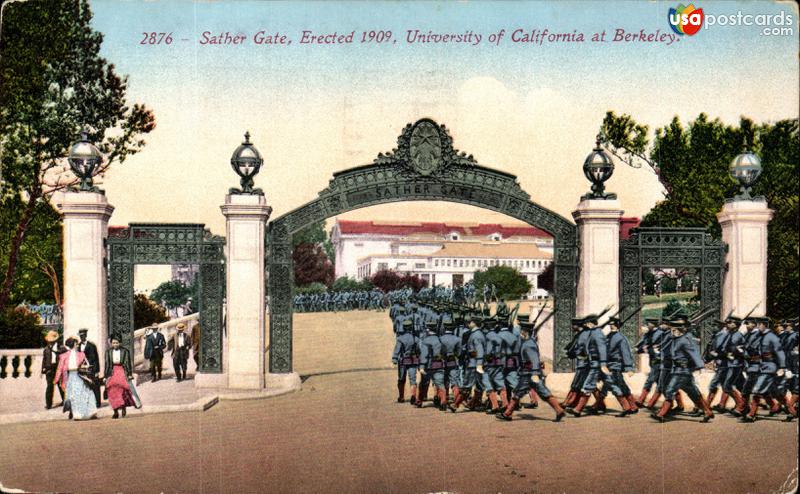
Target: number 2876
156,39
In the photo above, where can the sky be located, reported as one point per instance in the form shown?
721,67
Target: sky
529,109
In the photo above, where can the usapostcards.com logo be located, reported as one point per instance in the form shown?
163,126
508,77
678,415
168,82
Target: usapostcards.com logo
686,20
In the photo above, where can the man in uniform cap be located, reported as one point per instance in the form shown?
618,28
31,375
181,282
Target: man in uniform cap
715,353
473,368
620,359
509,352
531,375
493,379
451,352
573,350
405,357
792,351
431,364
663,347
686,360
772,364
593,348
748,352
650,333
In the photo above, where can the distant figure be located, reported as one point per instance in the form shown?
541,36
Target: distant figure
90,350
154,352
50,365
118,373
180,344
196,331
72,374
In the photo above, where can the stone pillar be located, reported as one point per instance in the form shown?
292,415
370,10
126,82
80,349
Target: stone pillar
744,230
86,216
598,234
246,216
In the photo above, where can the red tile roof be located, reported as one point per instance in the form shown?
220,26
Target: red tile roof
626,225
386,228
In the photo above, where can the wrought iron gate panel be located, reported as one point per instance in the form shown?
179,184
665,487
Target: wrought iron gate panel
671,248
423,167
168,243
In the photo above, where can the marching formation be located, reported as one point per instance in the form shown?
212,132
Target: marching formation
491,362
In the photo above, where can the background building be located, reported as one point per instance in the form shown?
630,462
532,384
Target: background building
445,254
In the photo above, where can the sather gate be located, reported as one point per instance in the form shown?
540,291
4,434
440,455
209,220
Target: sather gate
424,167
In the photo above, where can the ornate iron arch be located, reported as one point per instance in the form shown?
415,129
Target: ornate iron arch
423,167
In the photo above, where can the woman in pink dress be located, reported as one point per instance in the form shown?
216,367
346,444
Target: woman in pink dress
117,373
79,400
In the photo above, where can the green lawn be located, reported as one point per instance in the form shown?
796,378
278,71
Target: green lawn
666,297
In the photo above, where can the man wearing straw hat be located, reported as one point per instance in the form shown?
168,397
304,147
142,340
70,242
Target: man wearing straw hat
181,343
49,365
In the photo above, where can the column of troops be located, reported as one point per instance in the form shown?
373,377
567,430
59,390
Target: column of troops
491,362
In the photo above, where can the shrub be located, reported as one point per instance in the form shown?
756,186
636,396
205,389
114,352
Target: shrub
19,328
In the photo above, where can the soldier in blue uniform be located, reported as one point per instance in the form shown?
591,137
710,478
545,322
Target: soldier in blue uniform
509,354
580,364
531,374
431,364
663,348
493,378
405,357
715,353
771,366
792,351
620,359
651,332
592,346
745,351
473,369
686,360
451,351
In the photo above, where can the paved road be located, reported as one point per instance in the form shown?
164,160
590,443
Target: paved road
344,433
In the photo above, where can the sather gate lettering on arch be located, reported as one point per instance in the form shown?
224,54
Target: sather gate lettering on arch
423,167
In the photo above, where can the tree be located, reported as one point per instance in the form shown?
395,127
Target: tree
171,294
547,278
55,83
511,285
147,312
311,265
311,289
413,282
19,328
386,280
692,165
40,262
315,234
346,284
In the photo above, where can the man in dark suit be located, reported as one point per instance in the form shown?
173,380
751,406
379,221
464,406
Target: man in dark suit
90,350
154,352
49,365
181,344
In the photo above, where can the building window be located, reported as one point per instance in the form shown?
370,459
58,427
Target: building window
401,265
419,265
436,262
461,263
358,244
382,266
454,236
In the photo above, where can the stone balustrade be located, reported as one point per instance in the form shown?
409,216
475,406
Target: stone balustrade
20,364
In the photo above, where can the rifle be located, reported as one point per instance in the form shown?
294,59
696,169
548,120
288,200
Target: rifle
536,328
540,312
612,317
751,311
630,316
513,314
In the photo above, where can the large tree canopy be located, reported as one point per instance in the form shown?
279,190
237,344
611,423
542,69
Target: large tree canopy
692,164
53,84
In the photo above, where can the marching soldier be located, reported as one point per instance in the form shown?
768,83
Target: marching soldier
685,360
580,332
493,380
530,374
451,351
772,364
431,364
620,359
663,347
715,353
473,370
594,349
405,357
790,348
509,353
748,352
651,332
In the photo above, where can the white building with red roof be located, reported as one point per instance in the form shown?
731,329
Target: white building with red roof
446,254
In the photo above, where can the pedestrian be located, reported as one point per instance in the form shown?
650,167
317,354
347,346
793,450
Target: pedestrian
75,377
180,345
154,352
118,375
49,366
92,356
